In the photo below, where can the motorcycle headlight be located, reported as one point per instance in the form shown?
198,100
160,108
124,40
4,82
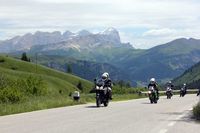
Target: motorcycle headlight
101,88
149,92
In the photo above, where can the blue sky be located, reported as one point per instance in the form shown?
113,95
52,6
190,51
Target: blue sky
144,23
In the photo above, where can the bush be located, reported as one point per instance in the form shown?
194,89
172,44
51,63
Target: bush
119,90
14,68
2,60
196,111
10,95
34,86
4,82
13,91
79,86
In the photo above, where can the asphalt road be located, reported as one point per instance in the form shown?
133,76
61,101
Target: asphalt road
134,116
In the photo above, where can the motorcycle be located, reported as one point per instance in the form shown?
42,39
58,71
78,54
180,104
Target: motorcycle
198,93
169,92
102,96
153,97
182,92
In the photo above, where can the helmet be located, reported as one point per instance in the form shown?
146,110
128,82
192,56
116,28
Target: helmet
170,82
105,76
152,80
184,84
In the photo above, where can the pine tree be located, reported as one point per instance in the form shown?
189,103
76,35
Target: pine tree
121,83
24,57
128,85
69,68
79,86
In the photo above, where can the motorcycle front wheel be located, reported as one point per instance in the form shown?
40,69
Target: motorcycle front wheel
98,102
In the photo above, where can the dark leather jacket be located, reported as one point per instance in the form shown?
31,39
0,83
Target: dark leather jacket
108,83
154,85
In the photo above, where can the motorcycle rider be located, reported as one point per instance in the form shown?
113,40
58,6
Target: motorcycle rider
107,83
198,93
184,88
155,85
170,85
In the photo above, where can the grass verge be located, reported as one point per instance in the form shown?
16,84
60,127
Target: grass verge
40,103
196,111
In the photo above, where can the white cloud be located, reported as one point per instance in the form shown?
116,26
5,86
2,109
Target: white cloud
163,20
159,32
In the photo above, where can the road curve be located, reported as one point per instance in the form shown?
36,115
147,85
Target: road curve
134,116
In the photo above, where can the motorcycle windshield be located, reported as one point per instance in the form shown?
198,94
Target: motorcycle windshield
100,83
151,88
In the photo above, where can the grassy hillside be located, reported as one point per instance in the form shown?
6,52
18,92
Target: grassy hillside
27,87
190,76
55,79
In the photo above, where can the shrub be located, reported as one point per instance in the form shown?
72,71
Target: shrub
13,91
34,86
196,111
3,81
10,95
79,86
119,90
2,60
30,86
14,68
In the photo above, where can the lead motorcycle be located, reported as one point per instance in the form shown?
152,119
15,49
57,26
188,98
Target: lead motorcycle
169,92
153,97
102,96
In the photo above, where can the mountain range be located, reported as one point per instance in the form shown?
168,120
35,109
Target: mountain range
45,41
90,54
164,61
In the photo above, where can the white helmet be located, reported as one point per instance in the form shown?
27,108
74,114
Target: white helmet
152,80
105,75
170,82
184,84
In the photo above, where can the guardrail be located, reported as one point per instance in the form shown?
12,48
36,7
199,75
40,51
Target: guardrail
189,90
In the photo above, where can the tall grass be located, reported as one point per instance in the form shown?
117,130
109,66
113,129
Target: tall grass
196,111
36,103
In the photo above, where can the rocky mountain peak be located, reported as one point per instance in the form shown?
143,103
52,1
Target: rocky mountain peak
84,33
109,31
112,34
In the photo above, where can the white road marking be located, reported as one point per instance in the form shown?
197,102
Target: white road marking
163,131
171,124
180,116
191,109
174,122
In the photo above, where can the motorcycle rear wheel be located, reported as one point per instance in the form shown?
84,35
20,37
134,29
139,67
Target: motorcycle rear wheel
105,104
151,101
